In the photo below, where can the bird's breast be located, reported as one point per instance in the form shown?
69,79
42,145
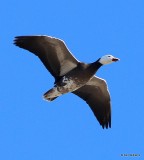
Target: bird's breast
69,84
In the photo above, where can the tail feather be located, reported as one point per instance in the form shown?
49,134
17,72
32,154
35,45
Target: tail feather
49,99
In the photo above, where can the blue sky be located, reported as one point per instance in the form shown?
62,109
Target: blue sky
66,129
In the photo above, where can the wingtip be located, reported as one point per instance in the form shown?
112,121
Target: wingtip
18,40
15,42
106,125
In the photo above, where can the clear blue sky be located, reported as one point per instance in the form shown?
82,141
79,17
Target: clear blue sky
66,129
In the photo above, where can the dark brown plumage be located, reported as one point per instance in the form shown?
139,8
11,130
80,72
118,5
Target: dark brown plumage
71,75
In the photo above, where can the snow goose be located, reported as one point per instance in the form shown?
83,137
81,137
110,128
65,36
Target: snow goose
71,75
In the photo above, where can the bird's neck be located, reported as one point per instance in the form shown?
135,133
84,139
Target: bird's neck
93,67
96,65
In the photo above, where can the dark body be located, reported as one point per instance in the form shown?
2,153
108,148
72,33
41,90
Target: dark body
73,80
70,74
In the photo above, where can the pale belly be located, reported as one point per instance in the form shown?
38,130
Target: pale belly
64,86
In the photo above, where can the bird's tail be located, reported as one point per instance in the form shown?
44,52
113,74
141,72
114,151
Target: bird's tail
51,94
49,99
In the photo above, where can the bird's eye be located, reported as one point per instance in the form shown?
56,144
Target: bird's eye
109,56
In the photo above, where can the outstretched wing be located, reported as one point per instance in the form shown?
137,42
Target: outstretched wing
52,52
97,96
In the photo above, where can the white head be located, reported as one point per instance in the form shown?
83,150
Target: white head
107,59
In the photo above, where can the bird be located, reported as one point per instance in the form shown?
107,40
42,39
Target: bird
72,75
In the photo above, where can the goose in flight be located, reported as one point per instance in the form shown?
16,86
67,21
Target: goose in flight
71,75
